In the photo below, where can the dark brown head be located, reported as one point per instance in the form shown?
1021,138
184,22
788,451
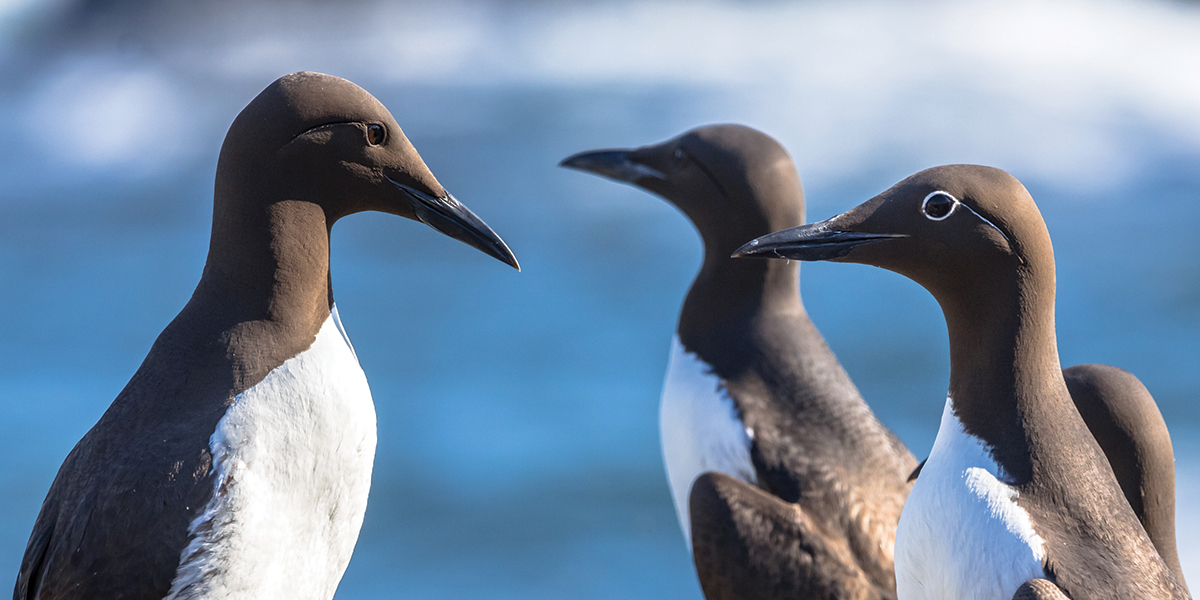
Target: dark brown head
732,181
321,139
967,233
973,238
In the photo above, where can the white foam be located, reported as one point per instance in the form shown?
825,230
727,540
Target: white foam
1039,88
99,112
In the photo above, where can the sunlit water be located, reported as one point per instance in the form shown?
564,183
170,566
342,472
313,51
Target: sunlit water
518,453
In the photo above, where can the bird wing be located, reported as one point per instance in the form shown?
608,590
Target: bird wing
748,544
114,533
35,555
1126,422
1039,589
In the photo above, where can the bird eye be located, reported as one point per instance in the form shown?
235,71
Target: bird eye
938,206
680,155
376,134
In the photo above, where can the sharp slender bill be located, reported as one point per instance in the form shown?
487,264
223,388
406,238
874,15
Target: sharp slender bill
613,164
449,217
816,241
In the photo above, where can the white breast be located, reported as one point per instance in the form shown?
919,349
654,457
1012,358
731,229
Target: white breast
293,459
961,533
700,430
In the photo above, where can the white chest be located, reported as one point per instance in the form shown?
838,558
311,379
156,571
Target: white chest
961,533
293,459
700,430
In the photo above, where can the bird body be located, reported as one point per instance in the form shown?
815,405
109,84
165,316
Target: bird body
297,445
701,430
973,237
962,490
237,461
785,483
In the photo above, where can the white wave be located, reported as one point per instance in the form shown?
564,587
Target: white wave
98,113
14,14
1087,92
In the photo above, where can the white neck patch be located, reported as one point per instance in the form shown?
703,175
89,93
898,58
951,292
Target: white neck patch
293,458
961,533
700,430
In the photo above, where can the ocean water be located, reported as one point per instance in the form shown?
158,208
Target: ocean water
518,452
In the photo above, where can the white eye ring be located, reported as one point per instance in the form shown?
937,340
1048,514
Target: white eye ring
925,206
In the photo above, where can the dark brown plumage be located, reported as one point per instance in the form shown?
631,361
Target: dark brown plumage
831,479
990,266
308,150
1125,421
1039,589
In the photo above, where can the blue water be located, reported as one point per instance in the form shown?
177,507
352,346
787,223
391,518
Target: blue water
518,452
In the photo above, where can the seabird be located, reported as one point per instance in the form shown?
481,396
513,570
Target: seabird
237,460
1017,497
785,483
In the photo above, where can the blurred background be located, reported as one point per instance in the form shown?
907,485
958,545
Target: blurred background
518,441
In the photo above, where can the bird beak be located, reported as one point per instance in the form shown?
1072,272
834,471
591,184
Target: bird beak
613,164
815,241
449,217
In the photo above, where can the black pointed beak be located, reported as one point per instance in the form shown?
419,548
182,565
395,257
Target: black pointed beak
815,241
448,216
613,164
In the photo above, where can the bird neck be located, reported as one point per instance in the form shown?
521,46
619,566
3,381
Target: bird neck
269,262
1005,377
728,293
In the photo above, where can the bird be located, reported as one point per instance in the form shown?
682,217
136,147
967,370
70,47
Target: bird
785,483
236,463
1017,498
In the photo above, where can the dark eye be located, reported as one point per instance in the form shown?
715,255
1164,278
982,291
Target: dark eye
938,205
376,134
680,155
